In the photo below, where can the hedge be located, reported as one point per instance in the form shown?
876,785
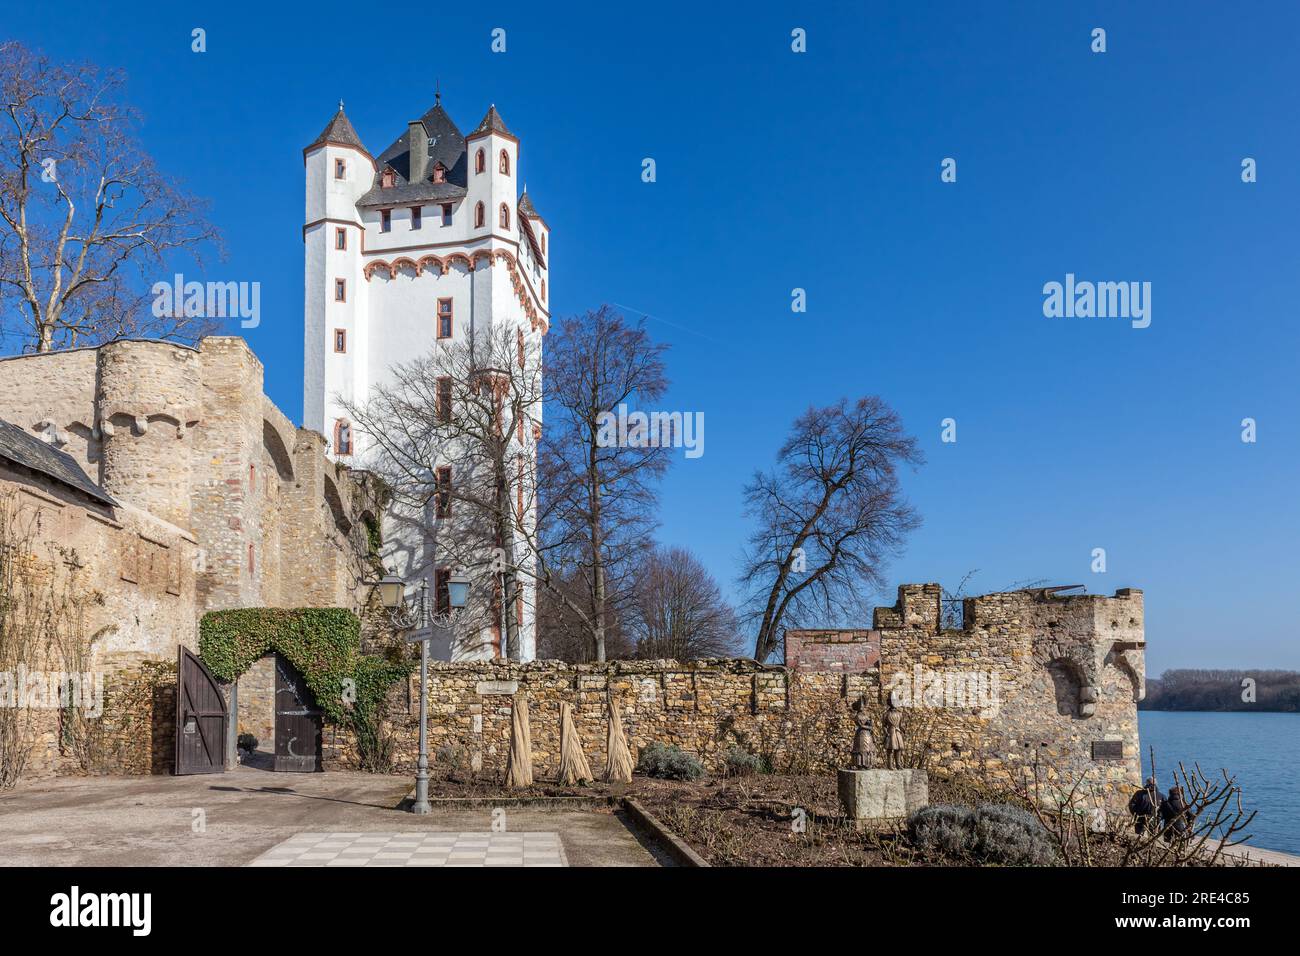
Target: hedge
324,644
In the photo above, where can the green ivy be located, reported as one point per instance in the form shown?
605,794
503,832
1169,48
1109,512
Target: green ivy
324,644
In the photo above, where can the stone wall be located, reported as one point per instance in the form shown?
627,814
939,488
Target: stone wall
221,503
1032,679
833,650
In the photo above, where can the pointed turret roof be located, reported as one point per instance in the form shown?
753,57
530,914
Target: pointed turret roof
492,123
526,206
339,131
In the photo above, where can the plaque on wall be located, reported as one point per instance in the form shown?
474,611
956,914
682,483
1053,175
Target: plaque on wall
497,687
1108,750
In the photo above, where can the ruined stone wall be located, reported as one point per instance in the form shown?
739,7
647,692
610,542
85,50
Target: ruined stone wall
1030,680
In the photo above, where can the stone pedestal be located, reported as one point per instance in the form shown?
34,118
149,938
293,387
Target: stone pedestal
882,798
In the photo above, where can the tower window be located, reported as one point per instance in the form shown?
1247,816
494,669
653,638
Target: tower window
543,243
388,179
340,340
340,169
417,216
444,491
340,290
439,173
385,220
340,239
504,216
478,216
543,290
504,163
444,318
342,438
446,214
480,161
251,566
444,400
520,336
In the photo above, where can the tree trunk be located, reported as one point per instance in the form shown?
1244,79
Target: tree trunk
598,568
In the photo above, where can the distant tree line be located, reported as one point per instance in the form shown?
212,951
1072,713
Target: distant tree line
1192,689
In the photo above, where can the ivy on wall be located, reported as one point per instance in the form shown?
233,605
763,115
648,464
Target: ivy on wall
324,644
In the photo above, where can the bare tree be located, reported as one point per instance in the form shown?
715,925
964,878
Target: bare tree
82,206
829,515
598,494
563,634
678,610
453,436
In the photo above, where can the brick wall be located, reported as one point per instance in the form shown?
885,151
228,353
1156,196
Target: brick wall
834,650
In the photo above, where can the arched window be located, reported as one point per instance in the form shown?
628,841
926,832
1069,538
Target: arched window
543,290
480,161
504,218
342,438
478,216
543,243
504,164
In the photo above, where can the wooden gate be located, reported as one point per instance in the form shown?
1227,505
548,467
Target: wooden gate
297,721
200,718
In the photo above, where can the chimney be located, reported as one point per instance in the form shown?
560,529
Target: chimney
419,152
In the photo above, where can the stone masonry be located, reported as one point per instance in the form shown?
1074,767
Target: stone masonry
220,502
1030,680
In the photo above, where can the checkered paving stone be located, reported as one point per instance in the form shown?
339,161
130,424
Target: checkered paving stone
432,848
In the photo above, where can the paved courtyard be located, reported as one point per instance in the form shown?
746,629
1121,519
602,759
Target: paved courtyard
248,815
408,848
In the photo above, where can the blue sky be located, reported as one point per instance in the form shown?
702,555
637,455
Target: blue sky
821,170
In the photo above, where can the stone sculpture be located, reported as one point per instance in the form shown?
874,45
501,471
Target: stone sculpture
893,733
864,743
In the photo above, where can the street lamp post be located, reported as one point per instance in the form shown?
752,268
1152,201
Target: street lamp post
392,594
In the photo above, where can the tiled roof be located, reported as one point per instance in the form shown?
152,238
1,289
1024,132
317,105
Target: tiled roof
339,130
446,146
491,123
31,452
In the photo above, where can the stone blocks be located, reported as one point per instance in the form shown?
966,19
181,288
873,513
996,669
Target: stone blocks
882,798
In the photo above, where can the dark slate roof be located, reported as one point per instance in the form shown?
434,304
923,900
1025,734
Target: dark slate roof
33,453
446,146
526,206
492,123
339,130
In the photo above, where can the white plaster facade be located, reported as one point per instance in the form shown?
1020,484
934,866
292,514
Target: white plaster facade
392,281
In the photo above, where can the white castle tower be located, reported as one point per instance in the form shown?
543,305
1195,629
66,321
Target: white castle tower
414,248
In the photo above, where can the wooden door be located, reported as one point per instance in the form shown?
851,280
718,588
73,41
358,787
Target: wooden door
298,721
200,718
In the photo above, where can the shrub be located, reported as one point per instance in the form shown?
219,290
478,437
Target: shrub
247,742
668,762
943,829
451,755
1012,836
739,762
992,833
